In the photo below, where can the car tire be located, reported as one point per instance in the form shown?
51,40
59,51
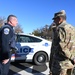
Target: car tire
40,58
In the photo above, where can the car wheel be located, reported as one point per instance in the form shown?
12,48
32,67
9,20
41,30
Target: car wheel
40,58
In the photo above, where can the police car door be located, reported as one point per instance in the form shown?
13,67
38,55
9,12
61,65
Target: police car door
26,45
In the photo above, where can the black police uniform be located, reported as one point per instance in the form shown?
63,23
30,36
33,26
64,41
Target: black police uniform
6,34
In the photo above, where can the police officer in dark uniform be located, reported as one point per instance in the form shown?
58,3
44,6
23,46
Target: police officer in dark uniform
6,35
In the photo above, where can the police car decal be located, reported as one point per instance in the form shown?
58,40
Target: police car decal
46,44
13,57
6,31
24,50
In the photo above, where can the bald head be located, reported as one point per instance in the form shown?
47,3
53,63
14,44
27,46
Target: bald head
12,20
10,17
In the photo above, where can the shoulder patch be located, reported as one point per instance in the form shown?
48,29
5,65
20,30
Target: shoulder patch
6,31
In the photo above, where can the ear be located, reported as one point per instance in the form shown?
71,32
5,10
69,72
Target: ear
60,19
10,22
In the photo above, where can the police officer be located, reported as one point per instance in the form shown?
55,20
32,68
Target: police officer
63,45
7,33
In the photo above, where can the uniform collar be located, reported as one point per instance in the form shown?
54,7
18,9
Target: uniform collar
63,23
9,25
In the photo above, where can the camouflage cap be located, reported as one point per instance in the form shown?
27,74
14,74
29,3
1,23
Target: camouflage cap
59,14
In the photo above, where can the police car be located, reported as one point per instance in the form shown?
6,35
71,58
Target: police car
31,49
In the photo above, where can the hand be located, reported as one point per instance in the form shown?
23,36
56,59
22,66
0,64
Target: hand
5,61
54,26
74,60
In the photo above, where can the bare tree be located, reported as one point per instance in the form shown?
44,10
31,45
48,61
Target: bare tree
2,21
18,29
44,32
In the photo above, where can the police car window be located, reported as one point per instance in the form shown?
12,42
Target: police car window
25,38
34,39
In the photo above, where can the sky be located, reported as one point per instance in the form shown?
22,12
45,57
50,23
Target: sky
33,14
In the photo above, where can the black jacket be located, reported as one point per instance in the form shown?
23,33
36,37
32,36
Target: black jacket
6,34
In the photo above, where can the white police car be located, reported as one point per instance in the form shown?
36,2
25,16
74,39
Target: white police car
31,49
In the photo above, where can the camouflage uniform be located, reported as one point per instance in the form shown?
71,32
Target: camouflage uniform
63,49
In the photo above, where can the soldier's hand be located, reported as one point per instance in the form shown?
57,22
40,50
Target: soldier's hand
53,26
74,60
5,61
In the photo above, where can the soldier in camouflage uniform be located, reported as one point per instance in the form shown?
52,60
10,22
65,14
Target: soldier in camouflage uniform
63,45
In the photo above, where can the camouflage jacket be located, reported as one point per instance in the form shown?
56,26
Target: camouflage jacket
64,41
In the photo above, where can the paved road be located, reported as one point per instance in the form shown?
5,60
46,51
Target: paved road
28,69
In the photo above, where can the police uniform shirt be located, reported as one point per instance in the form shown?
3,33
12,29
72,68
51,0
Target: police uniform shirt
7,33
